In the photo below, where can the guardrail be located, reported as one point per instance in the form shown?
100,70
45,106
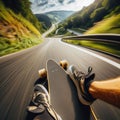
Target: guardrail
113,38
109,38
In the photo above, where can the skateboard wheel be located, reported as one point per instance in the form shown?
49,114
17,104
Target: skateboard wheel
64,64
42,73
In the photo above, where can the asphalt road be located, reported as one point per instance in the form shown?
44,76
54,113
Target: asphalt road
19,71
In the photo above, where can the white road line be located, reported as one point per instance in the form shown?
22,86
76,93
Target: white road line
117,65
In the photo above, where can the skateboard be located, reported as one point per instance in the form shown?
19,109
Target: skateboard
63,94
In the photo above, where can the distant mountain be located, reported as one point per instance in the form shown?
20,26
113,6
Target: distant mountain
45,20
42,6
58,16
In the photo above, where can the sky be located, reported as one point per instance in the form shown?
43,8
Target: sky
41,6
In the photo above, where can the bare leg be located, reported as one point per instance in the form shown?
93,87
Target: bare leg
108,91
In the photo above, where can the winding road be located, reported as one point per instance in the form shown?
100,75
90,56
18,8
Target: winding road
19,71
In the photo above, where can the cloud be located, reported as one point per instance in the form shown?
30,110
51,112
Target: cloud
60,1
40,6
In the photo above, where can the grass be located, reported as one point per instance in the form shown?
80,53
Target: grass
25,23
7,47
103,46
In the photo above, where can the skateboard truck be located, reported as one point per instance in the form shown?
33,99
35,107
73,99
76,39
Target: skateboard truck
42,73
64,64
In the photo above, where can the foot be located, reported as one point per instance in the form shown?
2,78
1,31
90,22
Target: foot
82,82
41,101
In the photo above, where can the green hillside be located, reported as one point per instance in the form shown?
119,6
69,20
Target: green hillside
23,7
16,31
109,25
91,15
45,20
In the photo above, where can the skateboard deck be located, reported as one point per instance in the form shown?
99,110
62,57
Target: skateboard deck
63,94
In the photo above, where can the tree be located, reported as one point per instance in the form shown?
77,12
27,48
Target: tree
77,21
70,23
18,6
109,4
98,14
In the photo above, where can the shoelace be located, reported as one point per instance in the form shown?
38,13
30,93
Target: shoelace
41,98
80,75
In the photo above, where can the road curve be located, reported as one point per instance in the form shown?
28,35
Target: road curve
19,71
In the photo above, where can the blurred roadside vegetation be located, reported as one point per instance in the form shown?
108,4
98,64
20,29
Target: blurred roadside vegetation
23,7
17,31
108,25
109,48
